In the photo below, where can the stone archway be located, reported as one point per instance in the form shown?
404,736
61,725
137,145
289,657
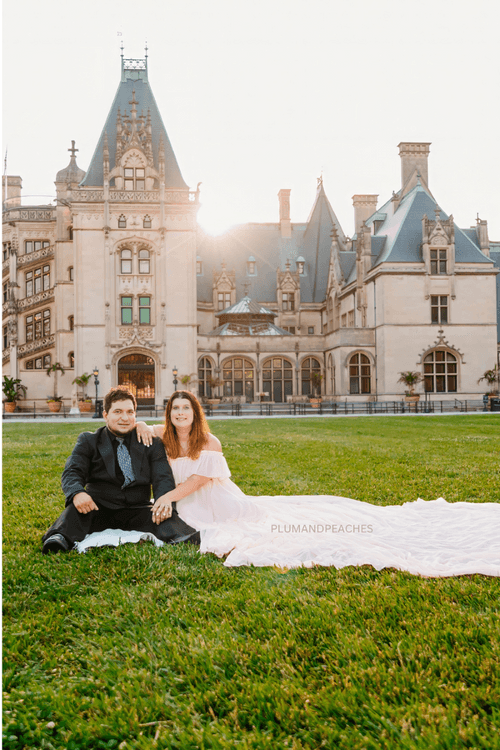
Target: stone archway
137,372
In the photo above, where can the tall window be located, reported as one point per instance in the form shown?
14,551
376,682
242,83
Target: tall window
5,337
122,222
31,246
126,261
350,319
144,311
277,379
135,178
331,374
147,222
70,273
238,376
199,267
311,368
71,357
37,280
288,301
5,250
144,262
439,309
438,261
5,290
71,322
204,375
343,321
359,374
440,372
38,325
126,308
224,300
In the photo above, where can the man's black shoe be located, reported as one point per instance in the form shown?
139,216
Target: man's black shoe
55,543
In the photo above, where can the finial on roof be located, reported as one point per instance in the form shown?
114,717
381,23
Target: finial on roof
72,173
246,284
320,180
477,218
418,177
146,50
334,234
287,264
73,149
437,212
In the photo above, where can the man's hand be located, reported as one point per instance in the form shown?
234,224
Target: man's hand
84,503
162,509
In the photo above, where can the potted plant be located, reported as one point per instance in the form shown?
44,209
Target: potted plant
54,401
188,380
411,380
315,399
82,381
13,390
491,377
214,383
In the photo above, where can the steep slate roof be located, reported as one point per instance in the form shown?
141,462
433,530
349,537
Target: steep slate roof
146,101
403,232
246,306
271,251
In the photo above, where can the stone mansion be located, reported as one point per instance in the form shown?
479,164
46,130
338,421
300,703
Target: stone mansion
117,275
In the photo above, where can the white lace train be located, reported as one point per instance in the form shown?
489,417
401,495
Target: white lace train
430,538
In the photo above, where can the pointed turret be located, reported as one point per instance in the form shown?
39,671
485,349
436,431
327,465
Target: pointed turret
125,131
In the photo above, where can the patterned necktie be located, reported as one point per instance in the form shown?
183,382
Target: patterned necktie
125,462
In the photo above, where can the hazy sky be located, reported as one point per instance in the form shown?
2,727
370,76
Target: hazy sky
262,95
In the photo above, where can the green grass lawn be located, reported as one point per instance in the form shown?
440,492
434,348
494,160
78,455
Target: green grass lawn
138,648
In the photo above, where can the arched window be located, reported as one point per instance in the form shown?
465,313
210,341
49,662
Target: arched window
122,222
144,262
238,375
359,374
311,377
147,222
440,372
126,261
137,372
277,378
71,357
204,375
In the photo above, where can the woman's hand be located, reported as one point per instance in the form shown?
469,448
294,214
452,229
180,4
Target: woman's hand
162,509
145,433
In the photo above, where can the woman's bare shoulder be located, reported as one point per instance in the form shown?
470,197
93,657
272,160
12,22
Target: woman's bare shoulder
213,444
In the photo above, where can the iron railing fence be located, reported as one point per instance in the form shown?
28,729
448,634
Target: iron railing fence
268,409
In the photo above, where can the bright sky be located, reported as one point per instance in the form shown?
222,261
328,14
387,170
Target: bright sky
262,95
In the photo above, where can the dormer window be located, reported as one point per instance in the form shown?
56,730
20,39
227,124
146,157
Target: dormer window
147,222
199,266
288,301
438,261
135,178
144,262
122,222
300,265
126,261
251,266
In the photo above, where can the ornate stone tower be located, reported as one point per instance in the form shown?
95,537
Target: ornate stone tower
134,250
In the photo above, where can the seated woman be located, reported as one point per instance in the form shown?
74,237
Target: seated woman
433,538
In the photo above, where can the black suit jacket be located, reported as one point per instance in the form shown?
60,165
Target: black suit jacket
91,469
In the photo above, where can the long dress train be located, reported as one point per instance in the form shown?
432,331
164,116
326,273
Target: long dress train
430,538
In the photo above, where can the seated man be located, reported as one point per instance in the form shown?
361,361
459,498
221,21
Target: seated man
107,482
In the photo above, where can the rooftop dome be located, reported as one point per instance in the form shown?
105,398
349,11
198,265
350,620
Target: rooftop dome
72,173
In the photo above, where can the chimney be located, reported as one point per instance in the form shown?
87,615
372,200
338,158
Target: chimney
285,225
414,156
482,235
364,207
12,196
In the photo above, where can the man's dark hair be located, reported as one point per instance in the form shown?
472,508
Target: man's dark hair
118,394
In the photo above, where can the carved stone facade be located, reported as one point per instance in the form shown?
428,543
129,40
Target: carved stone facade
119,276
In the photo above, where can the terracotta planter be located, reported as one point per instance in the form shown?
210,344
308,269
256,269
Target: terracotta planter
85,406
412,399
214,402
315,402
54,406
10,406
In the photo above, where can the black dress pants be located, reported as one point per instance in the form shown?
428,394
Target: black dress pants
75,526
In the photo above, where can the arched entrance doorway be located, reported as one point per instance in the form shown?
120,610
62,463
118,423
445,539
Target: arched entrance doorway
137,372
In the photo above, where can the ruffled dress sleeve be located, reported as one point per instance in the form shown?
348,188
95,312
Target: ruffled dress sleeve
210,464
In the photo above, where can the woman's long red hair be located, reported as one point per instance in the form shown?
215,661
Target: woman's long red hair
200,430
